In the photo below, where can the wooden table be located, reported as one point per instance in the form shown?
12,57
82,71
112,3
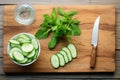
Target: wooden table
69,76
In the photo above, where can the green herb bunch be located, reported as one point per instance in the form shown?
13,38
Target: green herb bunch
61,24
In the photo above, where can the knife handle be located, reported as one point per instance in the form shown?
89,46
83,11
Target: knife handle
93,57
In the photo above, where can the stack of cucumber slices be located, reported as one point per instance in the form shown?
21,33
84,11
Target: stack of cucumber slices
64,56
23,49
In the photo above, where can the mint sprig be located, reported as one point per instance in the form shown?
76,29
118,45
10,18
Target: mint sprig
61,24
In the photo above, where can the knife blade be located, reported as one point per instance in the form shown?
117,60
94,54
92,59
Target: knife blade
94,42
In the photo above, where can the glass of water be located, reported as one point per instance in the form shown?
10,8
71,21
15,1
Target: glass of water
24,14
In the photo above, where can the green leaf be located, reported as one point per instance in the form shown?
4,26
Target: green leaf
75,30
47,18
61,12
76,22
54,28
58,21
42,33
71,13
44,25
54,15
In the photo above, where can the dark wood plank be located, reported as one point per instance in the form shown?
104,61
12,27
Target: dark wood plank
46,2
1,9
118,31
26,1
1,66
1,20
117,55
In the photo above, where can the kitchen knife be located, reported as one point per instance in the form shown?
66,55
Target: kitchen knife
94,42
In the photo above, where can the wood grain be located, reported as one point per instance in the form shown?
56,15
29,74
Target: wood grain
87,15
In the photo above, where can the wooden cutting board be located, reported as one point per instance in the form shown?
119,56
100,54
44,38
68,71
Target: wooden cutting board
87,15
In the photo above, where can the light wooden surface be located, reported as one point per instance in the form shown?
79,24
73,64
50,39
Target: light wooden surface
105,53
61,76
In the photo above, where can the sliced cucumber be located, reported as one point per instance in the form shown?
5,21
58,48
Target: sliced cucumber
34,43
23,48
29,60
24,36
14,42
73,51
64,55
26,47
36,54
55,61
18,56
68,53
61,59
11,54
31,54
25,53
13,50
14,45
22,40
24,61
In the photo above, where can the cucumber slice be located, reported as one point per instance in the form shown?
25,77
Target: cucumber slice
26,47
67,52
61,59
13,50
24,61
34,43
31,54
29,60
65,56
11,54
22,40
18,56
14,41
54,61
73,51
24,36
14,45
25,53
36,54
